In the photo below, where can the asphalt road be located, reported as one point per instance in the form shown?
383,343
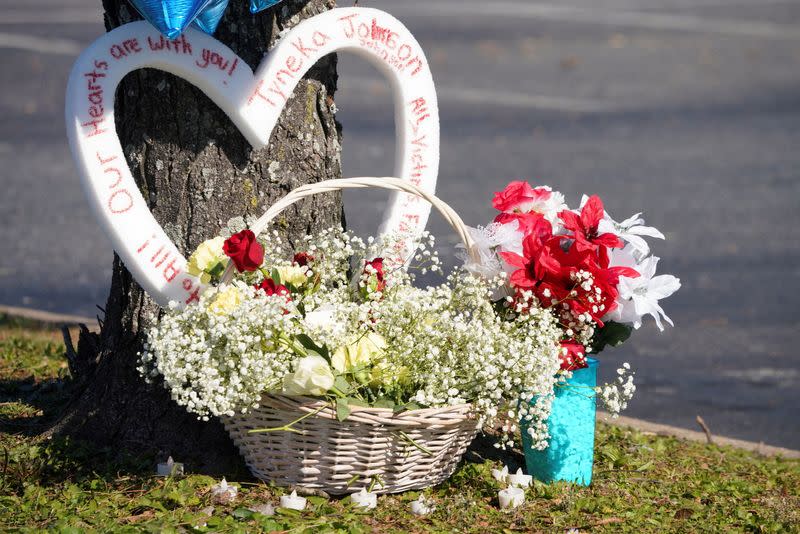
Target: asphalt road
687,110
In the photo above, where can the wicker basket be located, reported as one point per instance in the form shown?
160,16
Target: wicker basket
410,450
373,446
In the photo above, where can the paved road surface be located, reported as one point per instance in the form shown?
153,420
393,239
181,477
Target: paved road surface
688,110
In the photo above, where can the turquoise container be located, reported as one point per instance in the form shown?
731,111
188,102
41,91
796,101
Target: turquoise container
570,455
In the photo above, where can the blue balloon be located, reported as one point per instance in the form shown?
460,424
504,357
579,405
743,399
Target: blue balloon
170,17
261,5
209,19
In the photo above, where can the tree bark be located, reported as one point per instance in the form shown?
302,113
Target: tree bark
197,171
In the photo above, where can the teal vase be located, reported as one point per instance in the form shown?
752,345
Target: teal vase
570,455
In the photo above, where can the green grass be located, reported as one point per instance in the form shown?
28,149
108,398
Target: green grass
642,483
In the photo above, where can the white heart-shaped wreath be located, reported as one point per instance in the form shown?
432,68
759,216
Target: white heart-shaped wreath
254,104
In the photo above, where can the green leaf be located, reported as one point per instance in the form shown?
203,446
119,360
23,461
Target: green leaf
316,501
342,409
242,513
612,334
383,402
312,348
268,524
399,408
292,288
217,269
645,466
342,384
618,334
306,341
276,276
176,497
326,353
352,401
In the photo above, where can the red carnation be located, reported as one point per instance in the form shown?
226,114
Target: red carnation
572,355
376,271
303,258
245,251
269,287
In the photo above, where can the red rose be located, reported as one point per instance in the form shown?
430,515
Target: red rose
572,355
303,258
245,251
379,283
519,197
269,287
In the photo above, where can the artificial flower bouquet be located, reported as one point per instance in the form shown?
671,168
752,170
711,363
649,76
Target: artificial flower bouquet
594,274
332,357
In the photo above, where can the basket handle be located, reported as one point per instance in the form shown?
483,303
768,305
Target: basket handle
393,184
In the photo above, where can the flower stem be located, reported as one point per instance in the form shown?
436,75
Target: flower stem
288,427
405,437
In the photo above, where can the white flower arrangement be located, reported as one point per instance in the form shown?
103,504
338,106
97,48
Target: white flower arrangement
333,322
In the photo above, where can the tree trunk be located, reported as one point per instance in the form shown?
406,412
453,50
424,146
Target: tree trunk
197,171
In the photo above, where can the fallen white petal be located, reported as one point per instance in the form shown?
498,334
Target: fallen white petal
520,480
365,499
422,506
501,475
224,492
263,509
511,497
293,502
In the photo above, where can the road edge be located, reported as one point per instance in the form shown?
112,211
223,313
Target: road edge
47,318
658,429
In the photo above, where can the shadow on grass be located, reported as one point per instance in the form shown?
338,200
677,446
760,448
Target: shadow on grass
35,384
35,388
29,455
483,449
60,460
29,408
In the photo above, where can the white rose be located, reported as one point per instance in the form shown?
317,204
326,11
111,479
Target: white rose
320,318
312,376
